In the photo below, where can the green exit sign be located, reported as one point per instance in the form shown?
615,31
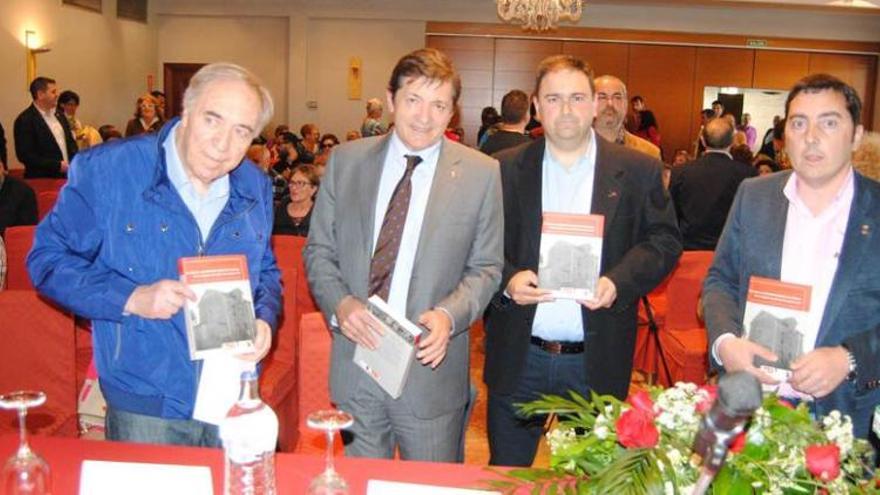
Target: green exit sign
756,43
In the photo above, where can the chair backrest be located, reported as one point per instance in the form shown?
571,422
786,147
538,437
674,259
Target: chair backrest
313,375
39,185
683,290
19,240
39,353
45,201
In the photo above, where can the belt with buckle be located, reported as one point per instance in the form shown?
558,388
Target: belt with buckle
554,347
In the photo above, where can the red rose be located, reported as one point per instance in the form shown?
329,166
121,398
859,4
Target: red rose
786,404
823,461
711,394
635,429
641,401
738,443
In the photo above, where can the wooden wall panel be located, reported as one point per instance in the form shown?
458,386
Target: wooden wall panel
604,58
779,70
474,60
718,67
515,64
859,71
664,76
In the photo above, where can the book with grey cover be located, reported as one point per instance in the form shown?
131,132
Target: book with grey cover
570,254
389,363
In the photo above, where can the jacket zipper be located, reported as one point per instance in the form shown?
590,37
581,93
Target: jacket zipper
118,349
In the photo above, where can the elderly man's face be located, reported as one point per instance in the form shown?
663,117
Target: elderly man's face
611,103
820,137
216,132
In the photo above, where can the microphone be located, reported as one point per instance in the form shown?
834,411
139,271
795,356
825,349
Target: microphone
739,396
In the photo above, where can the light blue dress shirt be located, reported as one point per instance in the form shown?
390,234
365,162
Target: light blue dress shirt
422,179
205,208
565,190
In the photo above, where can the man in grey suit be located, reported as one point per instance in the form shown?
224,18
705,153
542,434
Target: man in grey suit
817,226
417,220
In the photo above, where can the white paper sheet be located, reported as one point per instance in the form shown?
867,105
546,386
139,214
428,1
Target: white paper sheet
381,487
132,478
219,386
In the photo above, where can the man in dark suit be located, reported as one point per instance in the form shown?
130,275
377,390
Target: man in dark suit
415,219
43,140
535,345
817,226
703,190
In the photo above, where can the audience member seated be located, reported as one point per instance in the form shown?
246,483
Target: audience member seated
328,142
109,132
372,125
703,191
742,154
43,142
765,165
160,103
767,142
681,157
86,136
866,159
259,154
512,128
352,135
294,216
18,202
309,146
146,117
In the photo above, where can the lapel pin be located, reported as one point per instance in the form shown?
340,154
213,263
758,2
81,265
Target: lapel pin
866,229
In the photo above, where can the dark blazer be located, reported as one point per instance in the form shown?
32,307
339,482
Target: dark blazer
702,192
641,245
35,146
18,204
751,244
136,128
3,157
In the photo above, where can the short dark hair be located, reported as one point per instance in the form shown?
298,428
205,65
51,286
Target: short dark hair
40,84
717,102
514,107
307,129
156,93
779,130
815,83
68,96
636,98
554,63
718,133
288,137
430,63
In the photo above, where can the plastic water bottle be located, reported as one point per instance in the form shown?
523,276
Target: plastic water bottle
249,434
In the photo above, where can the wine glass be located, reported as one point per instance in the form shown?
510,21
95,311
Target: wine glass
25,473
329,482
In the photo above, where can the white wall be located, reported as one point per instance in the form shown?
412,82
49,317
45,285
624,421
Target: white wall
104,59
257,43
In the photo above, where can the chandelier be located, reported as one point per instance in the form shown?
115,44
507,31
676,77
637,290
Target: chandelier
539,15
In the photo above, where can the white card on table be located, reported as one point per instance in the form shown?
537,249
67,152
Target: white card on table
136,478
381,487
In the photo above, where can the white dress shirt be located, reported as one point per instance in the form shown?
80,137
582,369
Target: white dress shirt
56,128
565,190
422,179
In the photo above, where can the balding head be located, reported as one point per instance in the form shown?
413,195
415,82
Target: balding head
611,106
718,134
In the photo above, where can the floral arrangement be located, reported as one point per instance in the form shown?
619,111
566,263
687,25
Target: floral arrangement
643,446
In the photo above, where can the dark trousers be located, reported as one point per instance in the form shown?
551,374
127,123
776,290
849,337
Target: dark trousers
513,439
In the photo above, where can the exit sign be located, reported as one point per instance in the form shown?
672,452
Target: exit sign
756,43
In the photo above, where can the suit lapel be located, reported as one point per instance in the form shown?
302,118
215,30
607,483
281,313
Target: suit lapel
606,182
45,129
371,174
530,187
860,226
777,215
443,190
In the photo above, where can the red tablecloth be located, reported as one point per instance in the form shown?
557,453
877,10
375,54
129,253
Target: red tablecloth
294,471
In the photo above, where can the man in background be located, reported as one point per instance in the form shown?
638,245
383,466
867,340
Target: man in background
44,142
611,112
512,128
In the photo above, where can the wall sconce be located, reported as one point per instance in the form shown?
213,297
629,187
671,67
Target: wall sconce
31,49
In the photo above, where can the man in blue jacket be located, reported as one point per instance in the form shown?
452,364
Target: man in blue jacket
109,249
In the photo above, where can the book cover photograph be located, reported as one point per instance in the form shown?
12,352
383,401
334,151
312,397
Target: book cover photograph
570,254
221,319
389,363
775,317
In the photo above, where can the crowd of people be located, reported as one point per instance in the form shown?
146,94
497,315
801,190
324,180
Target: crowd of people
445,235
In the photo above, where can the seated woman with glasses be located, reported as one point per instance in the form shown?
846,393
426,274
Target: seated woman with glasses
146,117
292,217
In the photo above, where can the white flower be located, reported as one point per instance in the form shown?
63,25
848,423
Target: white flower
560,438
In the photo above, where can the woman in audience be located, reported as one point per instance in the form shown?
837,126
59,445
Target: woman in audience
293,216
109,132
327,143
681,157
146,117
765,165
86,136
648,127
372,125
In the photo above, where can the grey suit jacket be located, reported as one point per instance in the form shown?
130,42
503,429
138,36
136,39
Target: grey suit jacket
751,244
457,266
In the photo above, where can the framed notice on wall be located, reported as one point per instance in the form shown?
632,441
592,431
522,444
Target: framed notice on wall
135,10
86,4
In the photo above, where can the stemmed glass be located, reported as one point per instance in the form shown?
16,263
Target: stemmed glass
25,473
329,482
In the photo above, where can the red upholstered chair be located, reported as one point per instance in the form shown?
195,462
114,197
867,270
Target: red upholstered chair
313,386
682,335
18,241
38,353
18,173
39,185
45,201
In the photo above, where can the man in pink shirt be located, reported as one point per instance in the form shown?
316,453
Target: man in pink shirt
812,226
